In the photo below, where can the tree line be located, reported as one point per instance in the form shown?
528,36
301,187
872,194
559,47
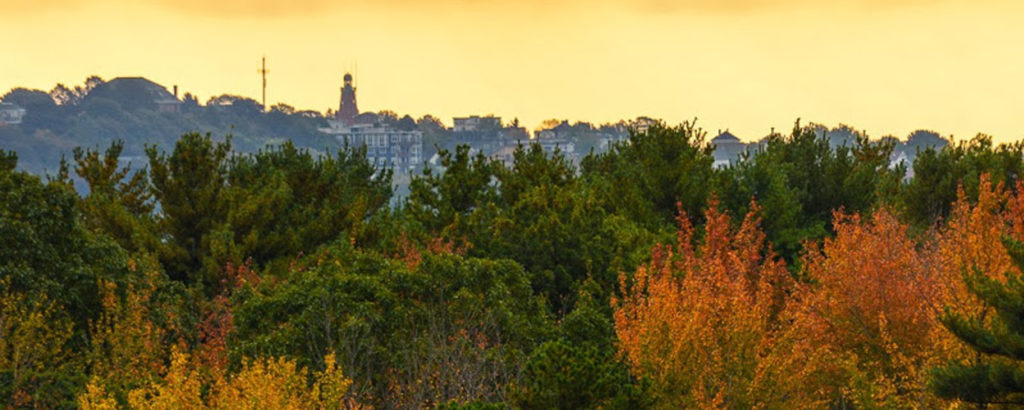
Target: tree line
803,275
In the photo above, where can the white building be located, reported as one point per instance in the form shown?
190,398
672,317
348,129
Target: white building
386,147
11,114
728,149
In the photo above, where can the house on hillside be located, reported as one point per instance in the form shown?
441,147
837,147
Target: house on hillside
642,124
505,155
137,92
559,139
485,133
728,149
11,114
476,123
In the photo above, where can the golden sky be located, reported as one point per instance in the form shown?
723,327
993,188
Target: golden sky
885,66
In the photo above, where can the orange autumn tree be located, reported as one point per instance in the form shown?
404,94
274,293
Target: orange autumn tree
863,328
972,242
699,320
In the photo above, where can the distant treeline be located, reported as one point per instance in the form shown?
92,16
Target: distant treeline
127,109
139,112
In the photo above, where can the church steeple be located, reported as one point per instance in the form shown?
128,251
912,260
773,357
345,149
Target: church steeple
348,110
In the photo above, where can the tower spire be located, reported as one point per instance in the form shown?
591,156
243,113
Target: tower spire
263,72
348,110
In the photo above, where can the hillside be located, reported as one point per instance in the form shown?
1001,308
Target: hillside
141,112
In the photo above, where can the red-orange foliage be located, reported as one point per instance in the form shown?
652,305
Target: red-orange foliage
863,327
237,276
972,239
212,352
971,242
700,322
411,254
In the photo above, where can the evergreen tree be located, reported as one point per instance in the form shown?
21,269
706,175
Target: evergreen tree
938,173
645,177
119,202
188,184
996,374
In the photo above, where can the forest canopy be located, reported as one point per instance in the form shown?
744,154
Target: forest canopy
806,274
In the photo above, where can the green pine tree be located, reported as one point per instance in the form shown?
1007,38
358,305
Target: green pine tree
996,375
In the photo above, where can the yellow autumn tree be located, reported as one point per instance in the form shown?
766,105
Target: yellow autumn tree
179,388
32,338
700,321
271,383
96,397
128,349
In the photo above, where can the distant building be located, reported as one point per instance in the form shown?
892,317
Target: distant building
386,147
557,138
900,158
505,155
484,133
11,114
476,123
728,149
137,92
347,109
642,124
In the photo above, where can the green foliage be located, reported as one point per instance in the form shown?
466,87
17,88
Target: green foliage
557,229
188,185
284,201
645,177
581,368
489,287
799,180
119,202
532,168
536,212
51,263
447,328
45,249
997,375
561,375
928,197
442,202
267,207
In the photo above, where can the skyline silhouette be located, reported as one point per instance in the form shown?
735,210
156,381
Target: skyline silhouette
885,67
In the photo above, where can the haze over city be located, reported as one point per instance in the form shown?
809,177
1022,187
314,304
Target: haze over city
887,67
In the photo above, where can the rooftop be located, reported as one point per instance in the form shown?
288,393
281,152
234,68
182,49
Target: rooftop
725,137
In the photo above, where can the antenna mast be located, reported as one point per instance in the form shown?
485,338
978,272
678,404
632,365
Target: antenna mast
263,72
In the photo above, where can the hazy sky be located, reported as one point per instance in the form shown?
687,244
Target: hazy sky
885,66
